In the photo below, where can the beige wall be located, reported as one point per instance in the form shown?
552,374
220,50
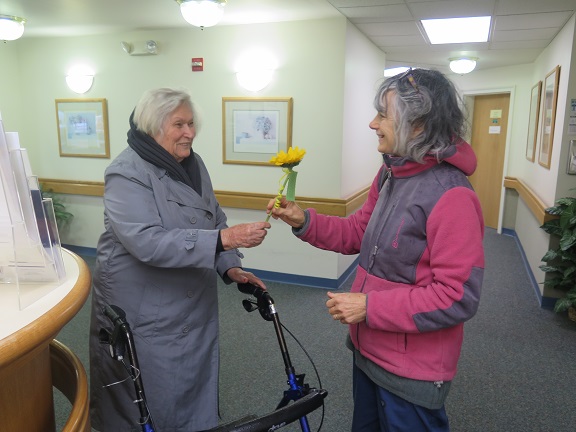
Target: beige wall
547,184
320,64
329,69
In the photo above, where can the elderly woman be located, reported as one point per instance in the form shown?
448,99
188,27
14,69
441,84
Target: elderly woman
419,235
165,242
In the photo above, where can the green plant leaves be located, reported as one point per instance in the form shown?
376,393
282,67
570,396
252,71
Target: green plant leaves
561,261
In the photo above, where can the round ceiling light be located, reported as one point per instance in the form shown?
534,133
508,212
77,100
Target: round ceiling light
462,65
202,13
11,27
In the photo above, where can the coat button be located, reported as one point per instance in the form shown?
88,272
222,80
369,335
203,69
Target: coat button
193,220
209,216
186,329
190,293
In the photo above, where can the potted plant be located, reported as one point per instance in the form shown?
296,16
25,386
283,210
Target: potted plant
561,260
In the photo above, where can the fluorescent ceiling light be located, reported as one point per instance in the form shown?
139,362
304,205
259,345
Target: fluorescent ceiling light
457,30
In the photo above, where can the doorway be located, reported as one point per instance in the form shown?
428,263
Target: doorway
488,140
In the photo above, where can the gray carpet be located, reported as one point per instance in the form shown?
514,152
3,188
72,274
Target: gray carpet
517,371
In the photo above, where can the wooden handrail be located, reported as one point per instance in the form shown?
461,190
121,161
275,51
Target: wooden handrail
534,203
253,201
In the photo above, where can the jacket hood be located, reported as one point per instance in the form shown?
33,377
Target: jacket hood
459,155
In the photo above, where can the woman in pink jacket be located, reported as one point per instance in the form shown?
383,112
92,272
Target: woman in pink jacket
419,235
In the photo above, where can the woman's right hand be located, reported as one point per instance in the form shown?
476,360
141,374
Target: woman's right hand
288,211
245,235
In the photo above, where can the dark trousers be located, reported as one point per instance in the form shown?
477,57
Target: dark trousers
378,410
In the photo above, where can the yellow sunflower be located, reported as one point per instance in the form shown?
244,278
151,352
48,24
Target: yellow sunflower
290,159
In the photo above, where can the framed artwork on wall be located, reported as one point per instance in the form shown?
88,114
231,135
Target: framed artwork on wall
255,129
549,97
533,121
83,128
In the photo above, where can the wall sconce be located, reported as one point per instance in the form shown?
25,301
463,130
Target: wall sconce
140,48
202,13
80,79
11,27
463,65
255,69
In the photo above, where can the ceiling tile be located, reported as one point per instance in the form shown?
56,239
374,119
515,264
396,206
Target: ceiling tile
392,12
532,20
524,35
359,3
402,28
520,44
391,41
510,7
452,9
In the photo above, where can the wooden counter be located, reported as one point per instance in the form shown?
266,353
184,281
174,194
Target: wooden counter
26,395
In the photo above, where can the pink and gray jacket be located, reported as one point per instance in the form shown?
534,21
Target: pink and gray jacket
421,262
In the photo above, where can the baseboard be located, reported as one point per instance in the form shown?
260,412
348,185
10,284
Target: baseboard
545,302
310,281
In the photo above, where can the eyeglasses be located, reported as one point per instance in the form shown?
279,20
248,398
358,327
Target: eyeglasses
411,80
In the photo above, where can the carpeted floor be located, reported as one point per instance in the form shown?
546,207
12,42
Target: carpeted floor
517,371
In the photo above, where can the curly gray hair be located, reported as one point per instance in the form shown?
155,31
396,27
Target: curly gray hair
425,101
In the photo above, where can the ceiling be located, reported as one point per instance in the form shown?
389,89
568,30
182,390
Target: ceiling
521,29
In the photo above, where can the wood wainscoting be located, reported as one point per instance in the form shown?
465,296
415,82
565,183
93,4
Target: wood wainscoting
242,200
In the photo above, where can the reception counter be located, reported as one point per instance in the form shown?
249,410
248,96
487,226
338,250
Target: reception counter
26,394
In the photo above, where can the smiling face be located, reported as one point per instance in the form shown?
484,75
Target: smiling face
383,125
178,132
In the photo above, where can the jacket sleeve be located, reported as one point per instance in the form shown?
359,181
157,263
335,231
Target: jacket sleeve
340,234
452,267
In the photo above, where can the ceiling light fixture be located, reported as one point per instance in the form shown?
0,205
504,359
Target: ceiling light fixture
11,27
457,30
202,13
463,65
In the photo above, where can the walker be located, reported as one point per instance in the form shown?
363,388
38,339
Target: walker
299,400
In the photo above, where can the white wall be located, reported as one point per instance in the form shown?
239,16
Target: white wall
364,71
547,184
314,69
10,98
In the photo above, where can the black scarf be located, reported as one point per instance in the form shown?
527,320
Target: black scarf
147,148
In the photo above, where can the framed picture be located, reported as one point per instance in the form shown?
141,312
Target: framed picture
550,97
83,128
255,129
533,121
571,168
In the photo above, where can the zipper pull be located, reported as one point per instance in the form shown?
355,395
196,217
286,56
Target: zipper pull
372,258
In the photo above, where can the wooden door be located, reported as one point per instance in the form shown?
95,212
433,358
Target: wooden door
488,139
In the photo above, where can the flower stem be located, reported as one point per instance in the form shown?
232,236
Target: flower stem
280,191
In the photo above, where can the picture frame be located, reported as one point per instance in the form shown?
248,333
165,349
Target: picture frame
571,163
83,128
549,99
531,142
255,129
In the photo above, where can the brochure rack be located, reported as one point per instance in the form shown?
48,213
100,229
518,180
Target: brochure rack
30,249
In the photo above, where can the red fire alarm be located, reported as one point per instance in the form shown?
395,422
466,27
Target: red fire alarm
197,64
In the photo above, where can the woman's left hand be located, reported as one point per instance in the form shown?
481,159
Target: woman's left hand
240,276
348,308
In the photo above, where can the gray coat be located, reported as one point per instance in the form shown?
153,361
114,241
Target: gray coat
157,261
